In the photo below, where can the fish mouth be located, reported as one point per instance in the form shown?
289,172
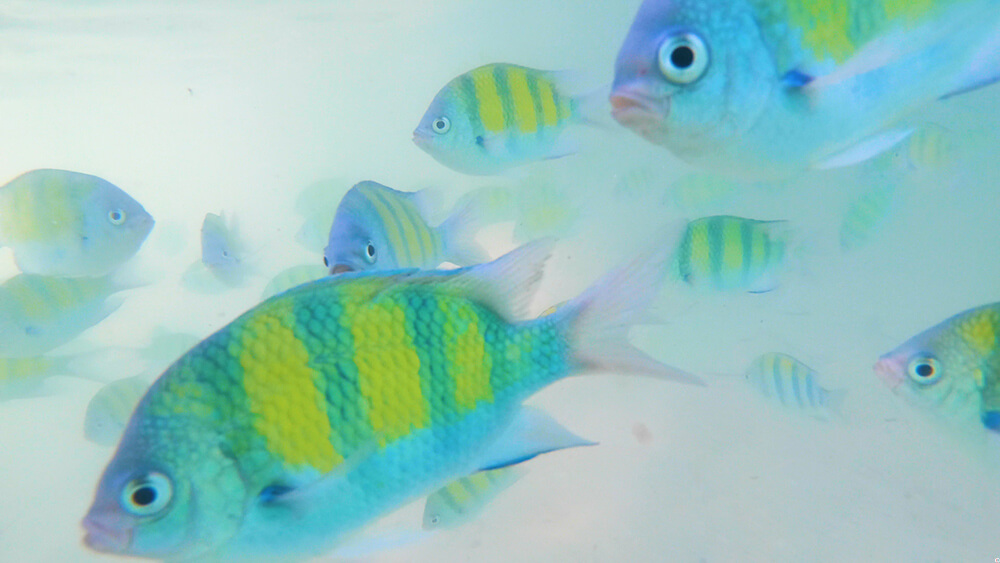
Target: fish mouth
642,114
340,269
421,138
105,538
888,370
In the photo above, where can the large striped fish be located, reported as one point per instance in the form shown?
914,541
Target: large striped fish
723,252
496,117
338,401
379,228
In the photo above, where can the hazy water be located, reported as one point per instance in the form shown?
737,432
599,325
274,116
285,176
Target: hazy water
238,106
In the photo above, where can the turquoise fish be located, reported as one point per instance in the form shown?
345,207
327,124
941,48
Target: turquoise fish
463,499
792,384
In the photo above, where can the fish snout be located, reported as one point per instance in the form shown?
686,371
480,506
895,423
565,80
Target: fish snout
105,537
888,370
634,109
340,269
421,138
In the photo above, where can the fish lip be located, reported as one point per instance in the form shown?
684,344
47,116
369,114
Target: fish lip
421,138
888,371
340,269
630,106
104,538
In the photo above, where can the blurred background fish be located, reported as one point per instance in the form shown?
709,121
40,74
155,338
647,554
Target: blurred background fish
65,223
317,204
771,88
379,228
224,257
499,116
291,277
462,500
792,384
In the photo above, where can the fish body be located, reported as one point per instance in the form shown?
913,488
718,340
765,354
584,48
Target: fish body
463,499
497,117
725,253
766,88
65,223
24,376
792,384
337,401
222,250
952,368
867,214
379,228
39,313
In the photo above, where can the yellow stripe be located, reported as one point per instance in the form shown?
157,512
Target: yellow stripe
388,370
550,115
524,106
283,390
732,246
459,495
467,359
487,98
404,211
385,214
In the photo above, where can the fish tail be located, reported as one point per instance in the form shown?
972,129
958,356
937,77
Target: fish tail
458,234
600,318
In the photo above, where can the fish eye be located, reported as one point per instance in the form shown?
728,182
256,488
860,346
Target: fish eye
924,370
326,262
116,216
147,495
441,125
683,58
435,519
370,253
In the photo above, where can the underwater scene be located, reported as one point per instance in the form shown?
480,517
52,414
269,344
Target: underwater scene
312,280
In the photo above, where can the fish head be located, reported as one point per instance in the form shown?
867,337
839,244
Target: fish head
692,75
115,225
446,132
358,240
938,370
165,503
218,245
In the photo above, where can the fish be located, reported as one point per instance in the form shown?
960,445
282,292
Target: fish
379,228
335,402
39,313
500,116
867,214
725,253
22,377
770,88
63,223
110,408
224,257
951,369
463,499
792,384
291,277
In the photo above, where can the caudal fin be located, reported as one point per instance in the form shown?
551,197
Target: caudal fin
602,316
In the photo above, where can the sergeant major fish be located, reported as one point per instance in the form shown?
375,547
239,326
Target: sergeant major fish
337,401
462,500
791,383
65,223
764,88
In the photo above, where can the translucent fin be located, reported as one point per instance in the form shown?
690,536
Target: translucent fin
835,400
866,149
458,234
427,201
531,433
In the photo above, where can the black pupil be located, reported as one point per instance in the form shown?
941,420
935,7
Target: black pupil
144,496
925,370
371,250
115,215
682,57
326,262
439,124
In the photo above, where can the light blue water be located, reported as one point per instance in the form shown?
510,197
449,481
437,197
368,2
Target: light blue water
238,106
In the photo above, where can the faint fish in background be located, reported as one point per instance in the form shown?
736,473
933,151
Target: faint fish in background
379,228
65,223
462,500
317,204
697,192
725,253
500,116
224,257
768,88
867,214
787,381
952,368
25,376
347,397
291,277
39,313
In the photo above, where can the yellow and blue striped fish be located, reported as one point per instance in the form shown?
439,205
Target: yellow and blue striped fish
496,117
791,383
463,499
379,228
723,252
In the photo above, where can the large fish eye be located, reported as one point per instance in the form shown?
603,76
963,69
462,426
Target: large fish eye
441,125
370,253
683,58
924,370
326,262
147,495
116,216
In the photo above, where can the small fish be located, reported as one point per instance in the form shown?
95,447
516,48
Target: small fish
379,228
463,499
338,401
724,253
497,117
25,376
110,408
291,277
767,88
224,257
537,204
697,191
952,368
65,223
39,313
791,383
867,214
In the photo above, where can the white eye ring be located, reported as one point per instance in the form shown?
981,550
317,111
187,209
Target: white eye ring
116,216
683,58
147,495
441,125
924,370
370,253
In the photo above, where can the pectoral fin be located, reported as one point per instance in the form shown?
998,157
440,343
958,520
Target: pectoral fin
531,433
